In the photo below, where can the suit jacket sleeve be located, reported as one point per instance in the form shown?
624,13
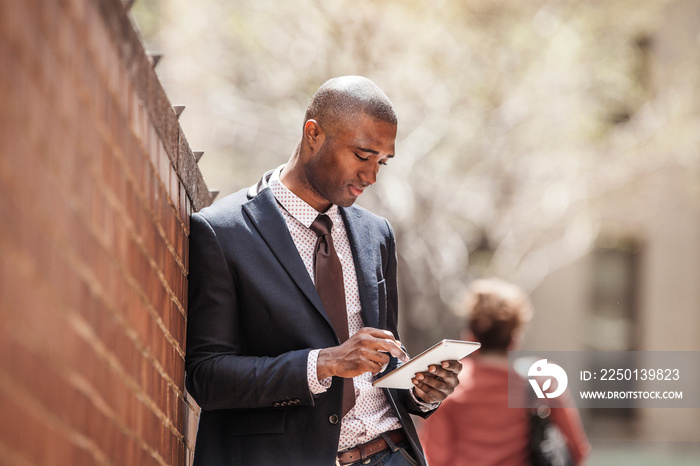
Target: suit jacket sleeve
221,373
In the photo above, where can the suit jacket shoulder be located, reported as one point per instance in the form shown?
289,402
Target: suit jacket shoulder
226,211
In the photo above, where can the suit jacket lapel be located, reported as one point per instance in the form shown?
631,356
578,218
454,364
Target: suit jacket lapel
270,223
365,267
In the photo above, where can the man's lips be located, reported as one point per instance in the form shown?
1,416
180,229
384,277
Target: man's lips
355,190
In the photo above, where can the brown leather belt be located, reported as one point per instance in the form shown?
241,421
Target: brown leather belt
365,450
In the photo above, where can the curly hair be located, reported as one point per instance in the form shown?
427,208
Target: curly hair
495,310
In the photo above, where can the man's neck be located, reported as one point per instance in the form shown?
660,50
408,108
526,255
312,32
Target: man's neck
291,178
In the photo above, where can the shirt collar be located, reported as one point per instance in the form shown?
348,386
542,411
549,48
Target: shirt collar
293,204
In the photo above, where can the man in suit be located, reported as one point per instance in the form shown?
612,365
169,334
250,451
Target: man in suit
267,360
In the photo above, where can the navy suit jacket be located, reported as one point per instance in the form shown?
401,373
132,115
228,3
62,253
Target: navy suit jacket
254,315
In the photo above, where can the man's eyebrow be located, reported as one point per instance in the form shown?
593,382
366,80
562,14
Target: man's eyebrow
372,151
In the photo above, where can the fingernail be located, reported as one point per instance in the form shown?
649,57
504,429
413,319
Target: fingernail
433,369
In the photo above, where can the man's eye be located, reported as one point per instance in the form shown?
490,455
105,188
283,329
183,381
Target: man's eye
364,159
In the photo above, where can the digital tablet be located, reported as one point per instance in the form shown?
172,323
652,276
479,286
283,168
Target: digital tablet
446,350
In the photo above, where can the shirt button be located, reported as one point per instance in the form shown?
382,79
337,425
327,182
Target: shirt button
333,419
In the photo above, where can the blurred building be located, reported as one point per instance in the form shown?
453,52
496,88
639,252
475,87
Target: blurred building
637,289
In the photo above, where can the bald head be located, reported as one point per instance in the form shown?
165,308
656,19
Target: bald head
338,100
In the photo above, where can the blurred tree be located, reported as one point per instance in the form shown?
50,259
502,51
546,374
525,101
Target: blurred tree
514,118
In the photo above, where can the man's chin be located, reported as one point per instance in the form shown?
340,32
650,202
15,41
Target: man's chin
347,202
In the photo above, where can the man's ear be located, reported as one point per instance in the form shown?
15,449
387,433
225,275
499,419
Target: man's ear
313,134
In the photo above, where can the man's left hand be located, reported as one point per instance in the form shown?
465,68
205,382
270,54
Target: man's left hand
438,383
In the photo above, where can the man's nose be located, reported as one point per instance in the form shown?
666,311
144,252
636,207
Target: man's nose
369,174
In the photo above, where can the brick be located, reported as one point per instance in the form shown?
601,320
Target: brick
100,188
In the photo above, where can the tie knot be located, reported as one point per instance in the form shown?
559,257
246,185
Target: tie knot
322,225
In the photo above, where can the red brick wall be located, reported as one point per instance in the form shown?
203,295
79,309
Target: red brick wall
97,183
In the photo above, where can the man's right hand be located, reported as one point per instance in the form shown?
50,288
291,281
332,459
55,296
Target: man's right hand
366,351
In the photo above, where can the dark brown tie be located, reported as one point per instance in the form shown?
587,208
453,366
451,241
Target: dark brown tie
328,273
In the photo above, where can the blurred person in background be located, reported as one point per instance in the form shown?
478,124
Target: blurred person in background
475,426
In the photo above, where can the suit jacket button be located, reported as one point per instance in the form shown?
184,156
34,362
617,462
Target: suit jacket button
333,419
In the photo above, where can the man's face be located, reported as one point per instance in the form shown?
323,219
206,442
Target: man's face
348,161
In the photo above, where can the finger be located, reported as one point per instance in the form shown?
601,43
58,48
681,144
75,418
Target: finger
380,358
427,393
450,378
435,382
380,368
422,390
373,367
421,394
396,351
379,333
444,373
452,366
388,343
